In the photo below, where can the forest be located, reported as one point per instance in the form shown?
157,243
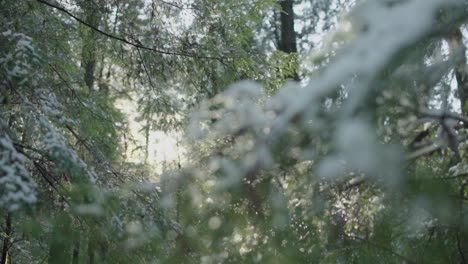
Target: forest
247,131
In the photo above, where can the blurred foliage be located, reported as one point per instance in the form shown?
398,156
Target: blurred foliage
363,161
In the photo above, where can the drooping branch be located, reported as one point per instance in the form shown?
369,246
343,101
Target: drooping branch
125,40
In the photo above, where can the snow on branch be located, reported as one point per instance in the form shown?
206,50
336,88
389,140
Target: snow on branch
64,157
380,30
16,185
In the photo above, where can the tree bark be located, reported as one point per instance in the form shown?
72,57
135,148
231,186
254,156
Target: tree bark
6,239
288,35
147,138
458,51
91,253
76,248
288,42
88,52
59,244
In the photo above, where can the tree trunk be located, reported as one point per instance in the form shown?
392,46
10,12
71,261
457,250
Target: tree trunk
288,42
103,248
58,251
88,52
91,253
59,244
458,51
76,248
6,239
147,138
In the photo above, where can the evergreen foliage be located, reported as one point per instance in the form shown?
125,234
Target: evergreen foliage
326,131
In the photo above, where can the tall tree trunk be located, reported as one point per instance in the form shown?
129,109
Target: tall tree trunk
458,51
91,253
147,138
288,42
60,246
6,239
103,249
58,249
88,52
76,248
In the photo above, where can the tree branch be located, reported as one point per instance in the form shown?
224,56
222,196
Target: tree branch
444,115
124,40
431,148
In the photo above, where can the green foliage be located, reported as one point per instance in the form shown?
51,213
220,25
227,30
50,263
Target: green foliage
367,163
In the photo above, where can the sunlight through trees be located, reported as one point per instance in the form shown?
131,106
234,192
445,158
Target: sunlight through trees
249,131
